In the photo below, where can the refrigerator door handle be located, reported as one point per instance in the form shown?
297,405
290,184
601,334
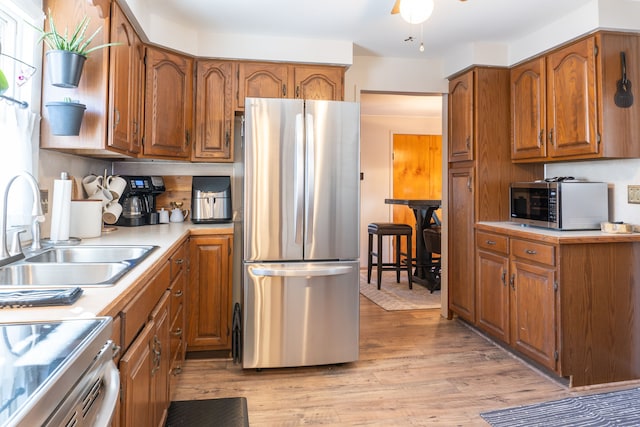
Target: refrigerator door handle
298,183
310,182
301,272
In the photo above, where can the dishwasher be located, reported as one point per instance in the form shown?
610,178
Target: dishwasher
58,373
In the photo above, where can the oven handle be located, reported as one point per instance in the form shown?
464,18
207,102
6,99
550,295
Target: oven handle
111,388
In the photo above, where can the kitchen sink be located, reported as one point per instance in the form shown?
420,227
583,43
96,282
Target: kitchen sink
95,254
63,274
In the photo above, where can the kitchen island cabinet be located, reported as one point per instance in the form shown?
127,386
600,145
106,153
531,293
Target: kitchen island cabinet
573,304
562,103
209,291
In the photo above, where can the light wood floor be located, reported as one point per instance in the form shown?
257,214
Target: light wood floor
415,369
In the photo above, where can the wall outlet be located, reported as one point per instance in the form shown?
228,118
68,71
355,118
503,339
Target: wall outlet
44,201
633,193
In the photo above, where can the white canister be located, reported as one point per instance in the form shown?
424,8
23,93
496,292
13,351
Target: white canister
86,218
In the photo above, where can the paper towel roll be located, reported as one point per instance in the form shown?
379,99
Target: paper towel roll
61,209
86,218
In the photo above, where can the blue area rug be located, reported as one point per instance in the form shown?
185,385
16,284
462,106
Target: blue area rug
617,408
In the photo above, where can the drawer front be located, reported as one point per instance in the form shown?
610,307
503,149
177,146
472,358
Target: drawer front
178,260
492,242
177,295
137,312
533,251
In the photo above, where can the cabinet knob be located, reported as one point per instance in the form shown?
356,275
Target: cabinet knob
177,332
531,252
177,370
512,281
551,135
179,261
541,135
178,294
468,141
504,278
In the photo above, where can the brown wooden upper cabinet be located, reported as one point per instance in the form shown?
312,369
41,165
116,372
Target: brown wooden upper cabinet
461,118
280,80
563,103
214,111
315,82
168,105
125,86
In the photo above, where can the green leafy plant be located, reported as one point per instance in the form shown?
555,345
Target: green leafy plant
74,42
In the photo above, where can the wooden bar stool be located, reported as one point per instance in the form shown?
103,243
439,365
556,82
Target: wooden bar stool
382,229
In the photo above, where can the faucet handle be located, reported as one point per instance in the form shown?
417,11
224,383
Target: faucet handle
16,246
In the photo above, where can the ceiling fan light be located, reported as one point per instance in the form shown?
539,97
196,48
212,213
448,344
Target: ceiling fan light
416,11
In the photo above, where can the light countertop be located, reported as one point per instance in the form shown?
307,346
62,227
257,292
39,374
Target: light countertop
99,301
555,236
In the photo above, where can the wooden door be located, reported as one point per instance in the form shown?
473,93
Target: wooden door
214,114
317,82
121,85
461,243
209,293
161,355
571,100
492,294
135,377
528,110
168,104
533,312
461,118
262,80
417,174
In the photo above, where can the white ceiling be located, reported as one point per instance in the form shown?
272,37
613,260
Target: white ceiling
369,24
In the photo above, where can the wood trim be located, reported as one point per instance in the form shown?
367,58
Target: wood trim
103,7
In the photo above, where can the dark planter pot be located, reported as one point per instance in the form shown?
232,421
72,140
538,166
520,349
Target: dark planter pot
65,68
65,118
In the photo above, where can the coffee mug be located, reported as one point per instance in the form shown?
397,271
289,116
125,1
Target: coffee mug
91,184
116,185
111,212
103,195
163,216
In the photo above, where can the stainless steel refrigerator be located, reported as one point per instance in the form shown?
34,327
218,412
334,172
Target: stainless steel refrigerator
301,233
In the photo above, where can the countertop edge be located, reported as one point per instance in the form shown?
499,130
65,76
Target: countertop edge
554,236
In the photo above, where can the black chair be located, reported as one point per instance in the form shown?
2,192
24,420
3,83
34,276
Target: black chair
432,242
382,229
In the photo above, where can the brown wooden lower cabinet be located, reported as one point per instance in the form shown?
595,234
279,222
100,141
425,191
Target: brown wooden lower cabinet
566,302
209,293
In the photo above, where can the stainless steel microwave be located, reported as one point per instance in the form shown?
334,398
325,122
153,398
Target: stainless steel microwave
576,205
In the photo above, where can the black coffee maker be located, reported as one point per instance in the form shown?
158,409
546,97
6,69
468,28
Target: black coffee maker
138,200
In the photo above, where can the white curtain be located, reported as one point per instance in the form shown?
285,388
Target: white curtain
16,155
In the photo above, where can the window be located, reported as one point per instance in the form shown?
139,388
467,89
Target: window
18,118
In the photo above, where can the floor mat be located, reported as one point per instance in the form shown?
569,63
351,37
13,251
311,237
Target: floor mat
397,296
617,408
226,412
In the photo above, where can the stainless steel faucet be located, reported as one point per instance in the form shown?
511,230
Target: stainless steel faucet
38,217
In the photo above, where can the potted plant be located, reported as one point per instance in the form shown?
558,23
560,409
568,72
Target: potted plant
68,52
65,117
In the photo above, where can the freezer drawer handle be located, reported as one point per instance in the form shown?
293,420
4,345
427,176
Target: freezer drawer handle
303,272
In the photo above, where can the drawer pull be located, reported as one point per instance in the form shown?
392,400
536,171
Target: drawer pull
504,278
177,332
512,281
179,261
491,242
177,370
178,294
530,251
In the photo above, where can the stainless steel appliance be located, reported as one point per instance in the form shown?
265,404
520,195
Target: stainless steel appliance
138,200
562,205
211,199
58,373
301,233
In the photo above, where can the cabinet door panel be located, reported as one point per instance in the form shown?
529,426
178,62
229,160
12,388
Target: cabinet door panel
262,80
135,376
209,294
461,118
528,137
214,115
571,100
533,311
168,104
318,83
493,294
461,246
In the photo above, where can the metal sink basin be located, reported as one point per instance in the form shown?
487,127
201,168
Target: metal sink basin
83,254
63,274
